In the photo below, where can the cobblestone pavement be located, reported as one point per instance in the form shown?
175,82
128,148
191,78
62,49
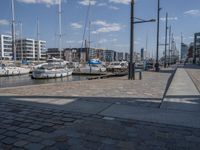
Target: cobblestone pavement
35,128
194,73
152,86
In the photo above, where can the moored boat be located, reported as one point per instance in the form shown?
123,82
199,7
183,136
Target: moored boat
93,66
12,70
48,71
117,66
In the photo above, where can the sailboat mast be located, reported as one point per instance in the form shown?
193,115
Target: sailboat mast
38,33
60,28
21,41
89,42
13,33
146,45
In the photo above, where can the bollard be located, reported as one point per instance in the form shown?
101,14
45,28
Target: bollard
140,75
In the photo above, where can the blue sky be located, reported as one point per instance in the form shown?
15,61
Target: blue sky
109,21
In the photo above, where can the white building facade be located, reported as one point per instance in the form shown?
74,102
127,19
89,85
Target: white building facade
6,47
28,49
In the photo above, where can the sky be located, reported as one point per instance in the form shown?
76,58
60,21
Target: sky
110,22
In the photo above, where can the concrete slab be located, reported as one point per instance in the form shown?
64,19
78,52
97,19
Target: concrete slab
156,115
86,106
182,85
69,104
182,93
184,104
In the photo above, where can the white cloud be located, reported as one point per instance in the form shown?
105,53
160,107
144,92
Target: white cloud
4,22
70,42
113,7
76,25
169,18
87,2
102,4
193,12
102,41
47,2
105,27
126,2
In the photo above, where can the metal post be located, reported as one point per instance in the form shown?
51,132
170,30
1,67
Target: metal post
194,49
13,32
158,30
131,64
165,63
169,45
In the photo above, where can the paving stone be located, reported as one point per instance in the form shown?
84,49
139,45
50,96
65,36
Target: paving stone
67,119
109,141
61,146
10,133
35,126
13,128
21,143
74,141
2,136
47,129
9,140
36,133
34,139
2,131
34,146
23,130
22,136
48,142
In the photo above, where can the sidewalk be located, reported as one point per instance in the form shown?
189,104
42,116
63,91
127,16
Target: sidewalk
128,117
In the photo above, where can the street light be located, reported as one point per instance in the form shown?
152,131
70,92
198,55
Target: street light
131,73
157,45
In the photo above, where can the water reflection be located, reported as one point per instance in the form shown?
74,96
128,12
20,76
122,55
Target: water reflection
13,81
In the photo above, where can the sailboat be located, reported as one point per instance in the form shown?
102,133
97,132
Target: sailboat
54,68
92,65
11,70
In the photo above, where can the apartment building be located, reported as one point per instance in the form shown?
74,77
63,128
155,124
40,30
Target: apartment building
6,47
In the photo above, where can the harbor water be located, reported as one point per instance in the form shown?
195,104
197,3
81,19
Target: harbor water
23,80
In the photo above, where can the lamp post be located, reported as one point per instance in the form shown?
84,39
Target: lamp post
131,73
157,45
131,65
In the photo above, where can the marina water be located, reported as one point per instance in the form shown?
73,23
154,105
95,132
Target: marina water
23,80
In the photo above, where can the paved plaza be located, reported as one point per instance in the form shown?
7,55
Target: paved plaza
104,114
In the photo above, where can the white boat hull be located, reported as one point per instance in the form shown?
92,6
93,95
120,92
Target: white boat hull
89,69
51,74
13,71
